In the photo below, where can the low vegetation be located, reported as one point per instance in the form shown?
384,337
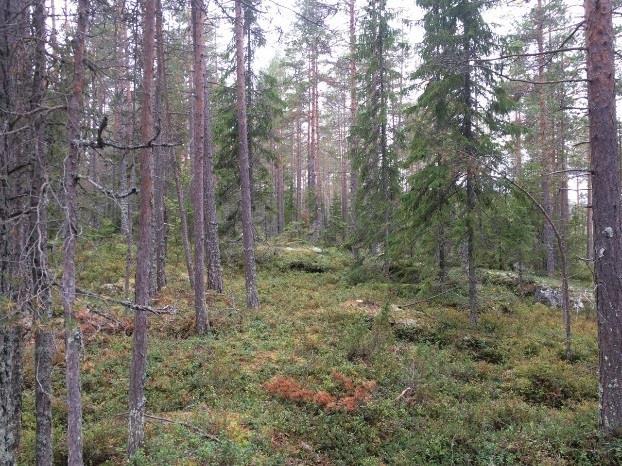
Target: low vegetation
333,371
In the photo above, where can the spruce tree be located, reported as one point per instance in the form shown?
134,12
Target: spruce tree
460,101
374,161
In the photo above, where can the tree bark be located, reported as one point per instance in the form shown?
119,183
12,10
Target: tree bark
123,127
198,47
42,301
546,158
298,166
252,298
605,165
343,162
73,338
136,411
212,240
589,220
467,133
161,157
15,173
353,108
184,220
280,197
248,79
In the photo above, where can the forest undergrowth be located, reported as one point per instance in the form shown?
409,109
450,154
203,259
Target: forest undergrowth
338,366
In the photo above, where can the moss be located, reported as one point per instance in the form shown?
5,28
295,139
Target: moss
445,393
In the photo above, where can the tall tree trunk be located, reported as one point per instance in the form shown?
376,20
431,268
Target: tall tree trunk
298,166
248,79
136,411
319,211
184,220
442,254
589,219
518,149
42,302
15,187
252,298
73,339
161,157
384,154
198,47
123,127
311,181
280,198
212,241
564,206
605,167
343,162
546,158
353,107
471,173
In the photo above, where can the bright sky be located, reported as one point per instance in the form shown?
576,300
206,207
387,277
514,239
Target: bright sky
280,18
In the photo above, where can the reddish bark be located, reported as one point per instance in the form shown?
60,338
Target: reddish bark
136,411
198,48
605,166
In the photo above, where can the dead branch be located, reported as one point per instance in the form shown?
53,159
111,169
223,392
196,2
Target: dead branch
100,143
194,429
166,310
531,54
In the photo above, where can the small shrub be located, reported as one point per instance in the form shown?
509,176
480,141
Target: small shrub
553,385
481,349
363,343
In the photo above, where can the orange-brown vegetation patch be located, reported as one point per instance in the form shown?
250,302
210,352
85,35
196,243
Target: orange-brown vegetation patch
354,393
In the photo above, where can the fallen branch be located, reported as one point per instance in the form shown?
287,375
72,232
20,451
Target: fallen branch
194,429
166,310
105,316
414,303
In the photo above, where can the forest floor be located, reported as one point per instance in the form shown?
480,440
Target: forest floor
335,368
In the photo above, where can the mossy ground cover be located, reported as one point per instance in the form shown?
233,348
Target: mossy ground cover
332,372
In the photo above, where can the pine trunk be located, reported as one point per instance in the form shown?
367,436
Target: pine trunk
161,157
42,302
202,322
136,411
212,240
280,197
14,188
183,220
605,167
298,166
353,108
73,339
546,158
252,298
